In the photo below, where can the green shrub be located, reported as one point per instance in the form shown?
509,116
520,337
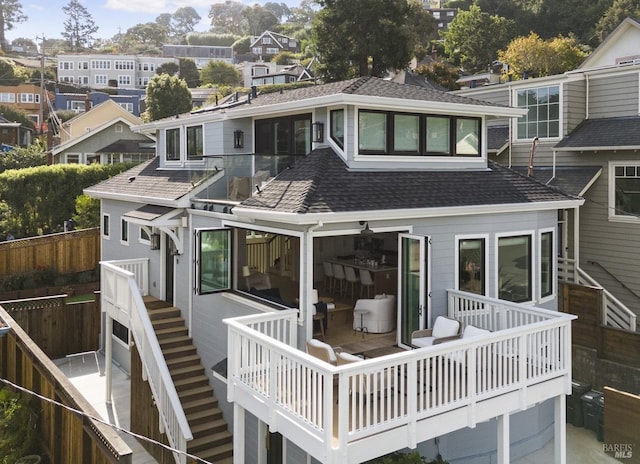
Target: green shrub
19,435
60,281
85,277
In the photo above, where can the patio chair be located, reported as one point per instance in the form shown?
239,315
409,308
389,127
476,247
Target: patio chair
323,351
444,329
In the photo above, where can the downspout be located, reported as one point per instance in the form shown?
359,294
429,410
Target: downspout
586,100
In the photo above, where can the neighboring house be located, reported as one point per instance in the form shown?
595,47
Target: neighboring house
268,44
131,100
583,130
443,16
25,97
362,169
98,71
264,73
102,135
14,134
200,54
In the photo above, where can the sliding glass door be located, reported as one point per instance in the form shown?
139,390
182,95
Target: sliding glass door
413,288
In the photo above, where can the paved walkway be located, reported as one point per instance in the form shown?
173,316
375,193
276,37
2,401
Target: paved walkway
86,372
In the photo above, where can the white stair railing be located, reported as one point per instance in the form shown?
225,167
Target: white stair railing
614,312
121,295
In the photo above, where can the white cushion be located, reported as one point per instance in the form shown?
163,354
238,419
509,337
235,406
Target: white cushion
421,342
472,331
348,357
445,327
314,342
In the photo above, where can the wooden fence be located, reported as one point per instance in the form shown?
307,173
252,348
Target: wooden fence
612,344
58,328
621,425
66,252
66,435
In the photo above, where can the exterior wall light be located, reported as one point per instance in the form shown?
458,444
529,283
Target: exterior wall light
238,139
318,131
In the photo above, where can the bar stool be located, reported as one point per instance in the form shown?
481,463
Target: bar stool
328,275
338,276
351,278
366,281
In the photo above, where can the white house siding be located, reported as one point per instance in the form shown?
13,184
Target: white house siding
573,105
613,95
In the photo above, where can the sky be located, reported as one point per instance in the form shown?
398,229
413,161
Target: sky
46,18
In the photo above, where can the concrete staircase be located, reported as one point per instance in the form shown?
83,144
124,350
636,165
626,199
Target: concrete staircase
212,440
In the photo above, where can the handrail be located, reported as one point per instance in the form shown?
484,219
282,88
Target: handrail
614,277
156,372
278,382
614,312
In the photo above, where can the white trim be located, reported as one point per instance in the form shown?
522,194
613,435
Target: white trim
124,241
553,265
514,96
108,217
516,233
611,203
485,270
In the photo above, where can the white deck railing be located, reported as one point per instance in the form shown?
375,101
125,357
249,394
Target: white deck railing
614,312
122,300
399,394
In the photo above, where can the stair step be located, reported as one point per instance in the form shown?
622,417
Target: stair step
179,351
204,415
171,342
215,439
207,428
222,454
192,382
183,361
185,372
199,404
154,303
190,394
171,332
163,313
167,322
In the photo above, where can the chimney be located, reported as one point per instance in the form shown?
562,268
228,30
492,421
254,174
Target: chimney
87,102
254,91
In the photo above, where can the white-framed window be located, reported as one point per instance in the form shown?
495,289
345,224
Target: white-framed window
65,65
76,105
120,332
284,40
36,97
127,106
84,80
66,79
543,117
7,97
266,40
83,65
273,50
124,231
451,14
100,64
172,144
436,14
119,128
624,191
256,50
471,263
547,264
26,98
195,143
106,226
101,79
515,266
144,236
143,81
73,158
124,64
124,80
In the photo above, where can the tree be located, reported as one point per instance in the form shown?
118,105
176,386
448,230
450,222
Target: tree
19,158
227,17
79,26
10,14
170,68
280,10
7,73
189,72
615,14
559,18
15,114
184,21
145,36
474,38
258,19
87,212
537,57
220,73
441,73
383,38
167,96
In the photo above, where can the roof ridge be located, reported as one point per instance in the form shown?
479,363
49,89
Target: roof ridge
356,84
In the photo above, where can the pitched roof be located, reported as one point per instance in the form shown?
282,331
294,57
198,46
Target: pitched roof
573,180
146,180
130,146
322,183
604,133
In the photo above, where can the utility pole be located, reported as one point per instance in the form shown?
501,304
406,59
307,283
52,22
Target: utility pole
41,113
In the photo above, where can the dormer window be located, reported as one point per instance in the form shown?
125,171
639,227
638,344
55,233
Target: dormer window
384,133
172,144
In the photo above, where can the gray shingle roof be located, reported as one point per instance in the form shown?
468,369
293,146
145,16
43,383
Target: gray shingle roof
130,146
497,137
322,183
146,180
570,179
604,132
365,86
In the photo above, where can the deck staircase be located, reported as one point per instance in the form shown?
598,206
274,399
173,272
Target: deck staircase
212,440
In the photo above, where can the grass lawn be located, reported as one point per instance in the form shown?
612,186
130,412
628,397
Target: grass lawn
81,298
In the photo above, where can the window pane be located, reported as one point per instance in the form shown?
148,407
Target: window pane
337,127
172,142
438,138
406,133
372,131
471,266
546,261
514,268
214,262
195,148
467,137
124,230
627,191
302,136
543,116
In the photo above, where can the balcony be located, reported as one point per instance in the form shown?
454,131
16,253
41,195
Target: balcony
355,412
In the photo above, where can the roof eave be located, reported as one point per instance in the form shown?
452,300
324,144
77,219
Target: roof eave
601,148
447,211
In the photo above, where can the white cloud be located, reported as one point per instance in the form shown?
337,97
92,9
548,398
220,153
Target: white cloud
158,6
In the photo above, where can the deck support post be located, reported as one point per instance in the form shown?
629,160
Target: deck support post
560,429
238,434
108,355
503,439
